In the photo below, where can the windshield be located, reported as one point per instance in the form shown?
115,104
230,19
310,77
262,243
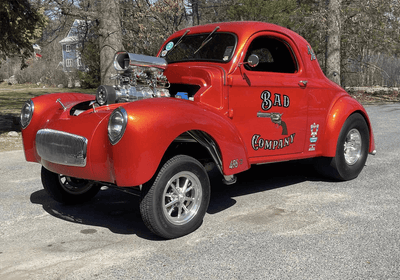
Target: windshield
219,47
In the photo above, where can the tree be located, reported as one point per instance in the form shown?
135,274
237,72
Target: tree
306,17
194,6
91,56
110,37
370,33
333,43
106,15
278,12
207,11
147,24
20,26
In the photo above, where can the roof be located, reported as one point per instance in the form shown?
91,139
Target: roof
245,29
77,32
72,39
241,28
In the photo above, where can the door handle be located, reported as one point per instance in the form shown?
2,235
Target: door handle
303,83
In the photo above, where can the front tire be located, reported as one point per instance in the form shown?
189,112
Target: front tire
351,151
68,190
175,202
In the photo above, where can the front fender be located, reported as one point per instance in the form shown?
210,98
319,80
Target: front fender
339,112
46,107
153,124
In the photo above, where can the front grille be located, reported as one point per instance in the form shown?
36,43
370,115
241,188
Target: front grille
61,147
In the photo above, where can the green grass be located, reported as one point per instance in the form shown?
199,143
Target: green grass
13,97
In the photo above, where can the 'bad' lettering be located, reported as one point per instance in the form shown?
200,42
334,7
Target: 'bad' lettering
279,100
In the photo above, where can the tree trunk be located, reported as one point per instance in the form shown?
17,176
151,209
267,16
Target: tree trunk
333,44
195,12
110,37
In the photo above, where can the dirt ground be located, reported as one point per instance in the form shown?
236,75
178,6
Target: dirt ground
10,137
10,131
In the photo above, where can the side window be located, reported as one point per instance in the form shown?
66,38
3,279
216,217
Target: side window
275,55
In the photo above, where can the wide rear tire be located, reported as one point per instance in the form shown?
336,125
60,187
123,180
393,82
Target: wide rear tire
351,151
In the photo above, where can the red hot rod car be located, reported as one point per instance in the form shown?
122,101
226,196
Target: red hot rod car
226,94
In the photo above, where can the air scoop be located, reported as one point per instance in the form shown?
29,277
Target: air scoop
124,61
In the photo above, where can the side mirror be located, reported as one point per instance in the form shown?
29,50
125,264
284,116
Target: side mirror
253,60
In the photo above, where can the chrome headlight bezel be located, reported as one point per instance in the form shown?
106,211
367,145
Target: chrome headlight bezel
26,113
117,125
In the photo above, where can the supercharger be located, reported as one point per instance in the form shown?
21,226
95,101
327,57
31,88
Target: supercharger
138,77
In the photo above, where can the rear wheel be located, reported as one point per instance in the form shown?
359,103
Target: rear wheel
175,202
68,190
351,150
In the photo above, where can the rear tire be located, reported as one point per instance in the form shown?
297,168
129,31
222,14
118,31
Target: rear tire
175,202
351,151
68,190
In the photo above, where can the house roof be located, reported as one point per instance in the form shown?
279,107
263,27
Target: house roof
71,39
78,30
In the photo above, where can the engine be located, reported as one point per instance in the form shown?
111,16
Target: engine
138,77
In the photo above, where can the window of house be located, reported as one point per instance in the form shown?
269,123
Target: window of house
68,48
79,62
275,55
68,62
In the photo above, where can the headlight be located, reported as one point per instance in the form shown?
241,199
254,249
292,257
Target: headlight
117,125
27,113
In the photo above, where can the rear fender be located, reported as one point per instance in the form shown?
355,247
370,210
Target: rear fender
340,111
150,132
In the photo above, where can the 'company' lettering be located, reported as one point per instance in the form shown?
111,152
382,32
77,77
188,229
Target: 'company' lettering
260,143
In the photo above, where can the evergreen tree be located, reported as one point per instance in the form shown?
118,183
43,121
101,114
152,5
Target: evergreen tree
20,26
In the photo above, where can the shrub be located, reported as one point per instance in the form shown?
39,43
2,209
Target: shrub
41,71
91,58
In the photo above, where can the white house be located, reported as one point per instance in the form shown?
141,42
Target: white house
71,45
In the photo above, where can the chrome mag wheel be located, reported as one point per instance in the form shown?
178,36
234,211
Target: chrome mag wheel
352,146
182,198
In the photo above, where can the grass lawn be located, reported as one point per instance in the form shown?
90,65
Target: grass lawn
13,97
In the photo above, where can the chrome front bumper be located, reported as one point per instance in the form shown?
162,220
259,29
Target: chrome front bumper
61,147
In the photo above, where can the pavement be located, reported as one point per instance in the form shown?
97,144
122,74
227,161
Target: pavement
280,221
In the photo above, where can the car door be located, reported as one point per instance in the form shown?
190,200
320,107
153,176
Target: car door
268,102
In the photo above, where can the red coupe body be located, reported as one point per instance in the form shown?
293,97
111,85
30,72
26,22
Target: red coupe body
279,107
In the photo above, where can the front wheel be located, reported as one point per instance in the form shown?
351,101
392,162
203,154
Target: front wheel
351,150
68,190
175,202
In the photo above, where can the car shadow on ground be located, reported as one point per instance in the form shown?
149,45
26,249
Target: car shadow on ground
115,210
261,178
120,213
9,122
